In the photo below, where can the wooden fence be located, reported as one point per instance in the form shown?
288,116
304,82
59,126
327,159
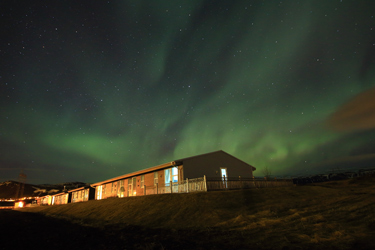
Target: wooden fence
204,184
245,183
184,186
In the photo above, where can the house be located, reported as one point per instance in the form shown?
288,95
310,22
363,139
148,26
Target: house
82,194
183,175
44,200
61,198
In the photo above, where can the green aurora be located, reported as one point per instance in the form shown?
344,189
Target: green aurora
93,91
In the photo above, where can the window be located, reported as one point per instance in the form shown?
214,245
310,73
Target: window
174,174
99,192
171,175
167,175
132,186
86,194
156,178
142,181
120,189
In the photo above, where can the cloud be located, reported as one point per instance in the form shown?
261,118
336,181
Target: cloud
357,114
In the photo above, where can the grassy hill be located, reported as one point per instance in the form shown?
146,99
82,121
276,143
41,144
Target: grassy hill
332,215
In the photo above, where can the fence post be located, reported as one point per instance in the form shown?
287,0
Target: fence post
144,189
170,183
187,185
204,183
157,188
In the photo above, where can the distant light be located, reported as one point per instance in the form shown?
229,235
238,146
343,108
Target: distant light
20,204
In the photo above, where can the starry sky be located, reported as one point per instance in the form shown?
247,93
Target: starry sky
93,90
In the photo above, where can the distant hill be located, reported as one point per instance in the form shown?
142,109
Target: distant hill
8,189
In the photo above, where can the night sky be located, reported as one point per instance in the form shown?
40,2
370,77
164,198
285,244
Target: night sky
91,90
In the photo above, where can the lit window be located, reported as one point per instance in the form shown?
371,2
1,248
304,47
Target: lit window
99,192
174,174
142,181
155,178
167,175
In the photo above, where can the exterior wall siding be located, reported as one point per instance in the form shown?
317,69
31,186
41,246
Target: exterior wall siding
82,194
210,165
149,179
61,199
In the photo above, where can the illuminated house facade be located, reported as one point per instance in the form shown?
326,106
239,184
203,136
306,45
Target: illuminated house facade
178,176
61,198
82,194
44,200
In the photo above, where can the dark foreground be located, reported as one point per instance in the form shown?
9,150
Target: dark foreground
22,230
333,215
35,231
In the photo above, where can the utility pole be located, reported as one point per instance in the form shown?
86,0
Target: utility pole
21,185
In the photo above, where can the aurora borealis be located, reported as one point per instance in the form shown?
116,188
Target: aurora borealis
91,91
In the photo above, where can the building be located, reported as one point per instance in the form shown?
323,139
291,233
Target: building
61,198
44,200
183,175
82,194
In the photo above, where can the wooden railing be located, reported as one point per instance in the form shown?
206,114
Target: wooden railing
244,183
184,186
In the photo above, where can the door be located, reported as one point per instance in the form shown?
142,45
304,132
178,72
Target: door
224,176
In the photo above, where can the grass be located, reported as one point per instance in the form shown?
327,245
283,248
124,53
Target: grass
332,215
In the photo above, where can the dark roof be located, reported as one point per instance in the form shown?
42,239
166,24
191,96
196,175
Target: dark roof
77,189
179,162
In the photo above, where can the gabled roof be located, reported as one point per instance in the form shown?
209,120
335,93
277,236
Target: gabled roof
163,166
62,193
179,162
77,189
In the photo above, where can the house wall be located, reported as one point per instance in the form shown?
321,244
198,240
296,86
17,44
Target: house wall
77,196
61,199
121,192
210,165
83,194
161,177
149,179
139,189
108,191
